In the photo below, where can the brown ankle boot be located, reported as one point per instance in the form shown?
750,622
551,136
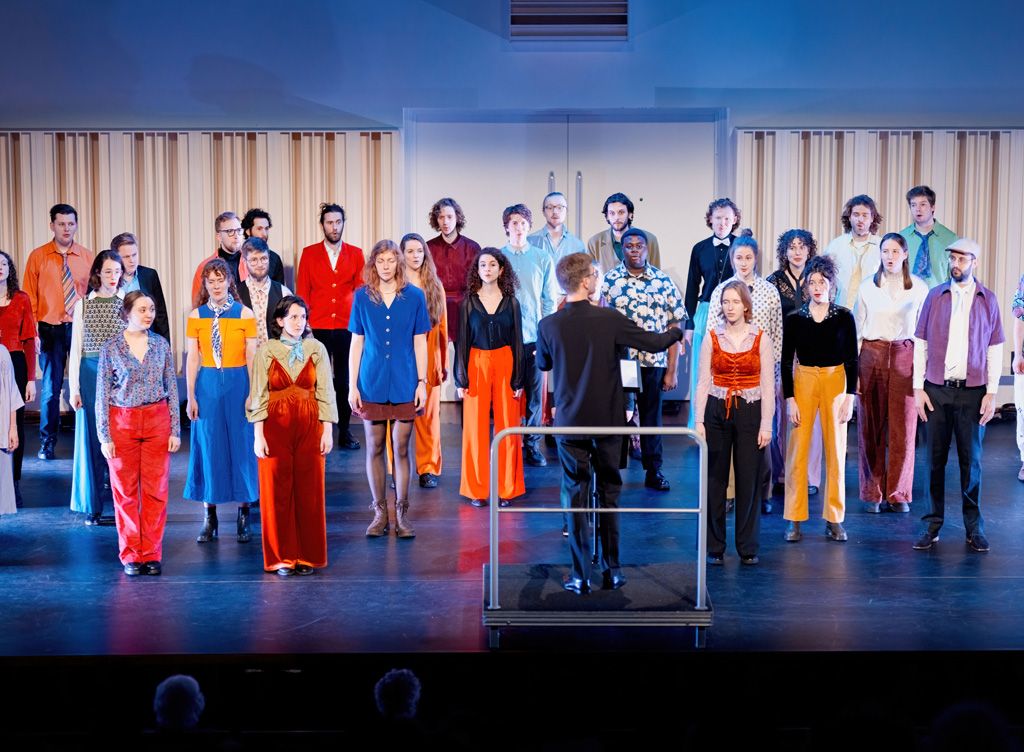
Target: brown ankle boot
379,526
402,527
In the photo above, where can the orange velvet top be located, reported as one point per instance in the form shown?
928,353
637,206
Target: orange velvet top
735,371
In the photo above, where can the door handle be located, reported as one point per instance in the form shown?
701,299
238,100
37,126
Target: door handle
579,203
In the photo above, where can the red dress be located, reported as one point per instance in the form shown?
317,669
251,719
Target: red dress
292,478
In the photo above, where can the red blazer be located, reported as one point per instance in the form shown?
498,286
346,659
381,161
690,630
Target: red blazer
327,291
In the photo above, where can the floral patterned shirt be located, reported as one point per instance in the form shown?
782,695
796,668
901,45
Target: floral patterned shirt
651,300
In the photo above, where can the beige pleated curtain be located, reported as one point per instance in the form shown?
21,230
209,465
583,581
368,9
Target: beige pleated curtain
802,178
167,187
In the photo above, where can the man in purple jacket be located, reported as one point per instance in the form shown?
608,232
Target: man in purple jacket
958,355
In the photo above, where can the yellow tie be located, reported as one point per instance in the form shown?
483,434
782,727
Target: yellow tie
855,277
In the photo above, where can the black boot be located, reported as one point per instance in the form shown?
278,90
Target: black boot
244,532
209,531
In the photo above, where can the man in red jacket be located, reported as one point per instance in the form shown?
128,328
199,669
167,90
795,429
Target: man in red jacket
329,273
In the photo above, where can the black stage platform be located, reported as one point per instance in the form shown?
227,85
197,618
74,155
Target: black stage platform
814,609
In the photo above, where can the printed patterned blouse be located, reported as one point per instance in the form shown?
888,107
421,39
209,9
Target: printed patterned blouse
651,300
122,381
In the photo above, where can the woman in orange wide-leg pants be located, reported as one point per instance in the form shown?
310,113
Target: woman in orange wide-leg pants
488,374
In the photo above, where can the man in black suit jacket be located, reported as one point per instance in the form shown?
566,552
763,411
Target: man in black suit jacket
580,343
143,278
256,224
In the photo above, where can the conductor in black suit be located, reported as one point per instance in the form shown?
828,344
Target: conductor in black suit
580,343
138,277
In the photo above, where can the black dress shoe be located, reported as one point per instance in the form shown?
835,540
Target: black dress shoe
926,541
349,442
730,504
750,561
612,581
565,531
152,568
133,569
92,520
812,490
716,560
978,543
45,452
766,506
303,570
656,481
285,571
835,531
576,585
533,457
428,480
478,502
504,502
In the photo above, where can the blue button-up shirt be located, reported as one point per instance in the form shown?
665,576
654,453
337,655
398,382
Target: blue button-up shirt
569,243
538,290
387,371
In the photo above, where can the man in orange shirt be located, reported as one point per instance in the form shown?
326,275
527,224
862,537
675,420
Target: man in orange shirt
56,276
329,273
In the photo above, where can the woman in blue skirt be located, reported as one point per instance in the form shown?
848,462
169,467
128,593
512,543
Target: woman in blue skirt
96,319
221,336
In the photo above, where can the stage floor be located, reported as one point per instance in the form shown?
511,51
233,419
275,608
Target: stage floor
62,591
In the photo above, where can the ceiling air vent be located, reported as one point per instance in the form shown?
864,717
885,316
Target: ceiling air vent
569,19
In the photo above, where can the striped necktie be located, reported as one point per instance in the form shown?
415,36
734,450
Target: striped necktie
68,285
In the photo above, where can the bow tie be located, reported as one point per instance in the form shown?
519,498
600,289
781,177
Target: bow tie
721,241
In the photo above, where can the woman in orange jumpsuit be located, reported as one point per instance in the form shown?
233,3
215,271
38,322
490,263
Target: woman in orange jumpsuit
292,407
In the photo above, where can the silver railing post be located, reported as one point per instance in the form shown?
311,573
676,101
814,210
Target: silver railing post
700,511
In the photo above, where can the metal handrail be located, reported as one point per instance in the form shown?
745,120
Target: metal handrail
700,511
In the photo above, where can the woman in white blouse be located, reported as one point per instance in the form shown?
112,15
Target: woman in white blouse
886,314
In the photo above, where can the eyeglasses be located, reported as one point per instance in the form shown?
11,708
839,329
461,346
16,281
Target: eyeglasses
233,232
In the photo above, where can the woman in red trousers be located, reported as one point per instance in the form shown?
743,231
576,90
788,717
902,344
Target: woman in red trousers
292,407
138,427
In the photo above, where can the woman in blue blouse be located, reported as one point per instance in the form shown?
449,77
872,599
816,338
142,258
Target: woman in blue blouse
388,363
137,427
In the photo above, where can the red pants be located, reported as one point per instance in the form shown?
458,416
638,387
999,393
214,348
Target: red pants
490,376
888,418
140,437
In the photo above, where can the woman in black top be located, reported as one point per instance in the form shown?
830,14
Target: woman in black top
823,338
489,375
794,249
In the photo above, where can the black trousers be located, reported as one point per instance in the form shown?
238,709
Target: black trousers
956,414
648,405
337,342
732,442
533,380
21,379
581,459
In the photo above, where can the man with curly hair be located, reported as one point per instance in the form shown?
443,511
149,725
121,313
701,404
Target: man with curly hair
857,252
453,253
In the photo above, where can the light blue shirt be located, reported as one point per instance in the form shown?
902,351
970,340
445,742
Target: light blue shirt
128,287
538,289
568,244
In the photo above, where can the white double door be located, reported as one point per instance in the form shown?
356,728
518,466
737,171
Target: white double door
488,161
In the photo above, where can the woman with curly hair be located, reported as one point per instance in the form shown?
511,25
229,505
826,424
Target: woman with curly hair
421,272
388,364
489,375
18,334
823,337
793,250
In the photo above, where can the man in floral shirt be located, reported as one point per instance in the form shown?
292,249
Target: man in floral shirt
651,299
1018,370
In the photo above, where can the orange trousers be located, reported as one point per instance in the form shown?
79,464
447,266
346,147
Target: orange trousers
428,434
490,377
818,391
